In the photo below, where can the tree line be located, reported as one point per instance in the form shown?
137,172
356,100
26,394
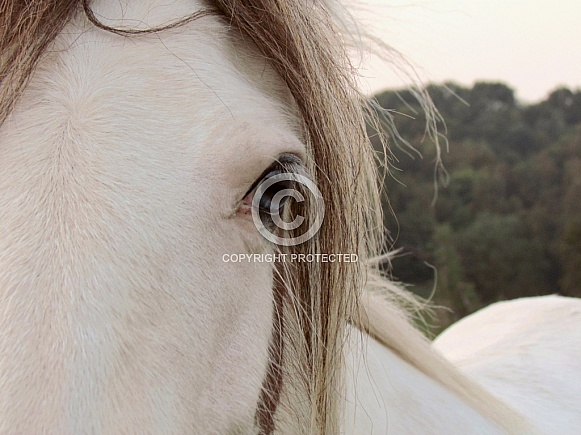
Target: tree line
507,222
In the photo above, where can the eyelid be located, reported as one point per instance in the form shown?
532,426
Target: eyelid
286,162
290,158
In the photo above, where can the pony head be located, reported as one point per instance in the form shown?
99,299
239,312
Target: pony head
132,135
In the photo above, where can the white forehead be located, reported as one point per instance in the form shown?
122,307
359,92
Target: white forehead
194,83
182,120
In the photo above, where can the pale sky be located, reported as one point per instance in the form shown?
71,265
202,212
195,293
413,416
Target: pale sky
533,45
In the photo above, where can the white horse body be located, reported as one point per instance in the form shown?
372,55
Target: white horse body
526,352
387,395
122,167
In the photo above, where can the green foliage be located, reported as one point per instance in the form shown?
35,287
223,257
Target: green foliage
501,259
453,290
509,222
571,257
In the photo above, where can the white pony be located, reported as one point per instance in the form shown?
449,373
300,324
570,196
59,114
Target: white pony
133,134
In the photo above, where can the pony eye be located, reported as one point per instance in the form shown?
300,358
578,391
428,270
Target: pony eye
272,190
272,198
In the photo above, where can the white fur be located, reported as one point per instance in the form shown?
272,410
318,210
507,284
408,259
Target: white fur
524,352
528,353
121,169
386,395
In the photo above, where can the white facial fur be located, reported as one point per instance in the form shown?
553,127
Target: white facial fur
121,169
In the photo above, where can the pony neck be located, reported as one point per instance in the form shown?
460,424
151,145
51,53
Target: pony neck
399,383
385,394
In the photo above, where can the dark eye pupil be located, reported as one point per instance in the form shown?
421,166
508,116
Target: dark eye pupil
272,191
266,200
